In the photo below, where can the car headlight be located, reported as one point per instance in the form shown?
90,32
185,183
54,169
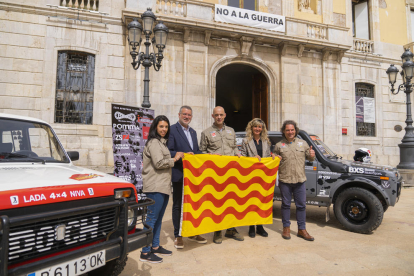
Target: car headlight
131,216
123,193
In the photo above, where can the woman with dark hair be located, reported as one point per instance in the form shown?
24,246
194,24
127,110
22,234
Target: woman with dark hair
256,144
156,178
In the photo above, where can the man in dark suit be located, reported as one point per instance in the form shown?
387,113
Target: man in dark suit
182,139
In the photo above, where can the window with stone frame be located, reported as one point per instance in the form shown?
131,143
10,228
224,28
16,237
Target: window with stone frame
74,87
360,19
365,109
244,4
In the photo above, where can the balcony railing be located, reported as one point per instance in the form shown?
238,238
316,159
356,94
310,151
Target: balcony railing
409,46
172,7
316,31
201,14
363,45
91,5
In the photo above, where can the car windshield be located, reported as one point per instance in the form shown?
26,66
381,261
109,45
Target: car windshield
23,141
327,152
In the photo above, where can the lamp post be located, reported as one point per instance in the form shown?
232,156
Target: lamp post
147,59
407,143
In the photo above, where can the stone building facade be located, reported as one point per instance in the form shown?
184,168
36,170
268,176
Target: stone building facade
312,73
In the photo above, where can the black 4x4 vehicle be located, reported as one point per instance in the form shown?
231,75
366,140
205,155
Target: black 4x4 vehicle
360,192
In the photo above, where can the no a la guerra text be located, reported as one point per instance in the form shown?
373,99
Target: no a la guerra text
254,17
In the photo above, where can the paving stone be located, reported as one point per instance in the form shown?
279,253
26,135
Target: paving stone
335,251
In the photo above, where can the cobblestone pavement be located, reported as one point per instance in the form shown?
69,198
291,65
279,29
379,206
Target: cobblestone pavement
335,251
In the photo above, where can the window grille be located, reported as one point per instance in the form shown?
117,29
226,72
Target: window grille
74,87
364,128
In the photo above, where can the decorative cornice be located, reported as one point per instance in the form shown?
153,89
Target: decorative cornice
207,35
245,44
186,34
238,30
301,47
340,55
72,14
283,48
325,55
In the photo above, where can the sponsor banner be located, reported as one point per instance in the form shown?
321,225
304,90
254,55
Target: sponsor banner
226,191
130,127
250,18
48,195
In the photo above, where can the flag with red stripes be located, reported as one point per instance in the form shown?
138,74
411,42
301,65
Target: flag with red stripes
221,192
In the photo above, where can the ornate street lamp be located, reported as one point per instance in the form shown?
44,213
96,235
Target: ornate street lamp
147,59
407,143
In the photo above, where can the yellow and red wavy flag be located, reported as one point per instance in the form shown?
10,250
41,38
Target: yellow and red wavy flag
221,192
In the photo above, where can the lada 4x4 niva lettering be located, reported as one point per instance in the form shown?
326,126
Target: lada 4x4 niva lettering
360,192
57,219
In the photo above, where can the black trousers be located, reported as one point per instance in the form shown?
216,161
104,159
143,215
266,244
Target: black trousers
177,206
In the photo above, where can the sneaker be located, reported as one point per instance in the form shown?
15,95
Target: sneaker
161,251
178,243
197,239
234,235
217,238
150,258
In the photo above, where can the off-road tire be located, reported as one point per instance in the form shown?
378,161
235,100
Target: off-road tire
354,201
112,268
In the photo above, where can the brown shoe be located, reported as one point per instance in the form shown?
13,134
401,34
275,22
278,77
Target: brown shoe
286,233
178,243
197,239
305,235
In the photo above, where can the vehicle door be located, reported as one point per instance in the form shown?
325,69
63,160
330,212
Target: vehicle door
324,174
274,139
311,171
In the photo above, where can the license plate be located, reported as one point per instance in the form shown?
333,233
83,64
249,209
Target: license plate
74,267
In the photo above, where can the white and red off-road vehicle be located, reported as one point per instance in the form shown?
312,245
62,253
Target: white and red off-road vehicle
57,219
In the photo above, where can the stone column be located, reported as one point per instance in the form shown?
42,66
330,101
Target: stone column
327,11
288,8
331,86
373,9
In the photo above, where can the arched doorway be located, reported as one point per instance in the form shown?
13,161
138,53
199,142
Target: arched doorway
242,91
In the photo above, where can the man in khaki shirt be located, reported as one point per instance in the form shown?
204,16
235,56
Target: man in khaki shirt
292,177
220,139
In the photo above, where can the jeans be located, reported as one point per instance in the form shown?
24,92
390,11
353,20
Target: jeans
154,217
177,206
299,194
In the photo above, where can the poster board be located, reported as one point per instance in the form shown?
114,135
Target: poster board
130,127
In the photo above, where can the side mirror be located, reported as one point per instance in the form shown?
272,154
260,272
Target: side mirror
73,155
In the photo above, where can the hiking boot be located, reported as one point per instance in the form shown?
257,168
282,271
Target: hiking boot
217,238
197,239
302,233
178,243
286,233
232,233
150,258
161,251
260,231
252,232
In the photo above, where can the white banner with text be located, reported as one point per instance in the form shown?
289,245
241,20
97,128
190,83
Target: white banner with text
250,18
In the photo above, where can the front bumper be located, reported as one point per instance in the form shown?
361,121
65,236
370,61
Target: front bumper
400,183
115,247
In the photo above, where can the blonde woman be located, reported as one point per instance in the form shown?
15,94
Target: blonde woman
256,144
